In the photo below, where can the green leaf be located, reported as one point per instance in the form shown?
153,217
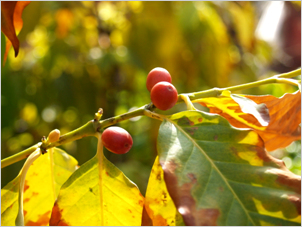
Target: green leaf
220,175
43,181
158,204
90,199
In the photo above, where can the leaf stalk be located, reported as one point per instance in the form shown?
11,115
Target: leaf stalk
95,126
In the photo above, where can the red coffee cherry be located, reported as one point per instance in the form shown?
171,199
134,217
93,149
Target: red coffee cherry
117,140
157,75
164,95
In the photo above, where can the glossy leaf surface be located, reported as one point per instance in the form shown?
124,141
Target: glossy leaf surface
43,181
79,201
219,175
158,204
285,117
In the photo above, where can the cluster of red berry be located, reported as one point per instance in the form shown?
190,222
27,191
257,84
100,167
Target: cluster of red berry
163,95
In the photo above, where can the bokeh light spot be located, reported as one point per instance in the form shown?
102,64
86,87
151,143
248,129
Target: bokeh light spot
13,145
26,139
121,51
29,112
107,11
49,114
104,41
70,116
136,6
116,38
95,53
288,162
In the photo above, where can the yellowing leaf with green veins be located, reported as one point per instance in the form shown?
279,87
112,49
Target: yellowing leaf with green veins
220,175
43,181
158,204
247,111
98,194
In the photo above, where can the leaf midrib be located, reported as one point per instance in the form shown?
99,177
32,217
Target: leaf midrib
214,166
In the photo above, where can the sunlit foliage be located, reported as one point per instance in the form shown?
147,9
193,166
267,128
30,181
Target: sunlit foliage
76,57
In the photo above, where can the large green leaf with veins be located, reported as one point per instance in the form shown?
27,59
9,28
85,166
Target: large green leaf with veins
220,175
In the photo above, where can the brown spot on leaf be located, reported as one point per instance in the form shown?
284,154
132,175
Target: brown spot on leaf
26,186
56,216
183,199
26,200
35,174
200,120
207,217
185,121
158,176
261,153
42,220
292,181
35,194
164,198
192,177
24,212
234,151
159,221
141,202
146,220
130,210
192,130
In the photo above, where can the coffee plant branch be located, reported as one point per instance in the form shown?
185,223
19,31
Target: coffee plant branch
96,125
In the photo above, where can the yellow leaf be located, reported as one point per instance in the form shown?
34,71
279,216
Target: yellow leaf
43,181
98,193
158,204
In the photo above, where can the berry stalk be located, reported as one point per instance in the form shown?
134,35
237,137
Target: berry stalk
92,127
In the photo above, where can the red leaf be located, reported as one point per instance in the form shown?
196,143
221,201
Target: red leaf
11,23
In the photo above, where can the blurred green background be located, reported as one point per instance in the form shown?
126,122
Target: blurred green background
77,57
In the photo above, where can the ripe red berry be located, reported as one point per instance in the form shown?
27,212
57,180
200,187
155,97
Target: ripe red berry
157,75
117,140
164,95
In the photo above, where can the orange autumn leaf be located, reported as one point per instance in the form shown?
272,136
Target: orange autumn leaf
285,117
11,24
285,113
